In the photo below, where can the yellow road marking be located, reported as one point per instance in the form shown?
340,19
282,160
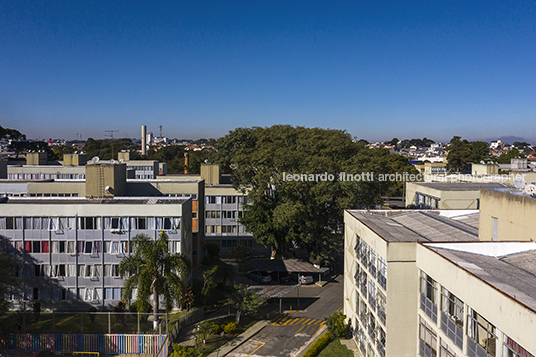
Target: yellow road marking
286,322
312,321
301,328
255,350
305,322
283,320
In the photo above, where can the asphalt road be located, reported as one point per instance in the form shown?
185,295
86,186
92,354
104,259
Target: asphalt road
287,333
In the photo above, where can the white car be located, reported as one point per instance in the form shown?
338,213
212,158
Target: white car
305,279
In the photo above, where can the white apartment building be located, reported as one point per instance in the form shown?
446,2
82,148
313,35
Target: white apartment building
68,249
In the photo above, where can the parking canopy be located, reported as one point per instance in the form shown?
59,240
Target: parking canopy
283,265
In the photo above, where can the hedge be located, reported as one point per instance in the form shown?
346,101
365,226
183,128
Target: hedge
318,346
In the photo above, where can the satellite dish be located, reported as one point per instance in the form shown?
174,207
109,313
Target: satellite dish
112,161
121,161
482,162
95,159
107,188
519,183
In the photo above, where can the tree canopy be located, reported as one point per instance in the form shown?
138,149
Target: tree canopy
306,212
103,148
11,134
505,158
462,152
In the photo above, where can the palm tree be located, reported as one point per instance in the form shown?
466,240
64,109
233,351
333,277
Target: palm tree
154,271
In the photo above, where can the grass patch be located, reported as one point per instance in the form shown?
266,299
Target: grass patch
336,349
214,342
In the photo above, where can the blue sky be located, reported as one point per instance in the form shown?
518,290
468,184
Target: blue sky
377,69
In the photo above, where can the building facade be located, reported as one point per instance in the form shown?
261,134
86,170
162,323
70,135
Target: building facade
68,249
422,284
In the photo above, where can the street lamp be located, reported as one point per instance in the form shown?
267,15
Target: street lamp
198,341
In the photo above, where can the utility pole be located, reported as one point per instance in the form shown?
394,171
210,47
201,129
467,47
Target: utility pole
112,136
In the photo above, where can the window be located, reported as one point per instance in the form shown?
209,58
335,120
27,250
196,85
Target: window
428,287
452,307
88,247
381,303
71,247
363,280
364,254
513,349
481,332
111,270
382,272
427,340
372,293
86,223
138,223
67,223
445,350
372,262
213,214
452,317
357,247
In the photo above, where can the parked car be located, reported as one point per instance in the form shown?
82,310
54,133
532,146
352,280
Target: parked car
259,276
284,277
305,279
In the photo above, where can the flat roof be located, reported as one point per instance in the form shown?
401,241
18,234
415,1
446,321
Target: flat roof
282,265
512,274
459,186
100,201
417,226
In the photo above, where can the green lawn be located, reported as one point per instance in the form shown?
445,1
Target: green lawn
214,342
335,349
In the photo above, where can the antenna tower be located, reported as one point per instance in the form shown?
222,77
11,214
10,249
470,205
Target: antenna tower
112,136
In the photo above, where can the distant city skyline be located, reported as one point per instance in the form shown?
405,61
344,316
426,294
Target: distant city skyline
200,69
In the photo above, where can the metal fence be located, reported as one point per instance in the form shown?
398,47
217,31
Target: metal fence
82,323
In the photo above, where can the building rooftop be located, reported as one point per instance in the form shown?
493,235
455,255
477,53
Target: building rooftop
459,186
100,201
417,226
470,219
507,266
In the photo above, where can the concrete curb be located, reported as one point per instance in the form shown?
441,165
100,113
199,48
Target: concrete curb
305,347
239,340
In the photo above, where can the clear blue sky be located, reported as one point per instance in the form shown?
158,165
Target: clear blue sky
377,69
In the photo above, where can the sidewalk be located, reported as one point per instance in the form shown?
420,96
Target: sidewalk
309,343
231,345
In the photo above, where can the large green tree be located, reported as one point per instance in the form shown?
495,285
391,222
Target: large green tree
307,212
506,158
463,152
103,148
153,270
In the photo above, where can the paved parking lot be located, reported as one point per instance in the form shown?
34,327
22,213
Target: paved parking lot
288,333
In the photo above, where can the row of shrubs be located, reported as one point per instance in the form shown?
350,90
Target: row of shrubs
318,346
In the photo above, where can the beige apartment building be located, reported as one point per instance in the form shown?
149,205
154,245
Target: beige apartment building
423,284
213,197
446,195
